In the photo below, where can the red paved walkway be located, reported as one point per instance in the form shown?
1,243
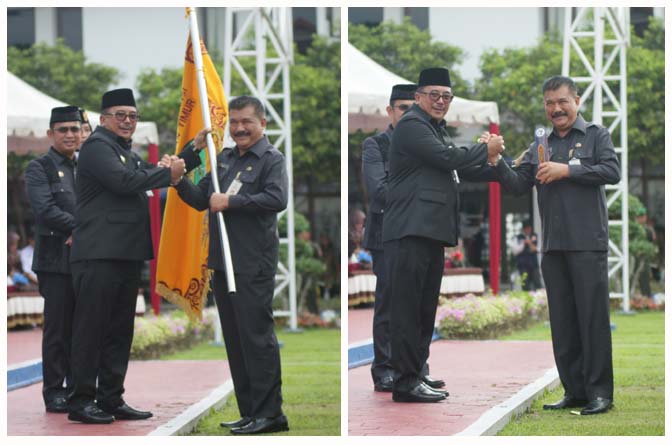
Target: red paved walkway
166,388
480,375
24,345
360,325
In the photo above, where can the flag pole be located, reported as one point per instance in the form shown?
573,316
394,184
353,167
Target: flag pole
212,153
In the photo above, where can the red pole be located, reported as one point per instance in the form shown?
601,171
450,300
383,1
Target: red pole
495,226
155,221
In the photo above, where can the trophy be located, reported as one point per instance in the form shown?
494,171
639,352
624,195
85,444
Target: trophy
541,141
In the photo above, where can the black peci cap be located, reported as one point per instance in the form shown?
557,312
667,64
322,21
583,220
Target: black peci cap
403,92
122,96
65,114
434,76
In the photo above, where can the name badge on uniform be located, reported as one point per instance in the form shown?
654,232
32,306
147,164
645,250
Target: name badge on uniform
235,186
575,161
150,193
123,159
456,177
60,174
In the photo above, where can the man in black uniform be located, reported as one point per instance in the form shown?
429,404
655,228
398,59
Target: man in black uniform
111,241
253,181
421,217
50,183
574,224
375,166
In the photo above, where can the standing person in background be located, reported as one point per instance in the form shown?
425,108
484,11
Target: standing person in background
526,250
50,185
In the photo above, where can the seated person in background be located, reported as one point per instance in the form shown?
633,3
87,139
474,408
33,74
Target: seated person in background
26,255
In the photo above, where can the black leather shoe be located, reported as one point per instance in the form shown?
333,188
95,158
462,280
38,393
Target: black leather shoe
597,406
236,423
263,425
386,384
566,402
125,412
432,383
420,394
57,405
90,414
443,392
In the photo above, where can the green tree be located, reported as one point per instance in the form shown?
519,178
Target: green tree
640,248
646,94
513,76
316,113
310,268
62,73
406,50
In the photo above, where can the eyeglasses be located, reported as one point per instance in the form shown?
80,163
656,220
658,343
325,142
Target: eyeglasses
121,116
435,95
64,130
403,107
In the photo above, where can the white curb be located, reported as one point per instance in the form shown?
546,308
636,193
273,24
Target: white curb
186,422
497,417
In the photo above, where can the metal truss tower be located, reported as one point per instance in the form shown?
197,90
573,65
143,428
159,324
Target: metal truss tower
607,32
264,36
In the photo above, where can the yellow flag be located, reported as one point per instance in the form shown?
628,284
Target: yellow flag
182,275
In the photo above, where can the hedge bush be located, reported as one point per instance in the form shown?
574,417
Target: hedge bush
488,316
164,334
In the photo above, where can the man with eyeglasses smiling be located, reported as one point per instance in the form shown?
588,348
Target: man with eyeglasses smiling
111,240
421,217
50,185
375,169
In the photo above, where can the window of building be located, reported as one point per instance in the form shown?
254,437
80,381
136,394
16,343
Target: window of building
365,16
419,17
639,19
69,27
20,27
305,25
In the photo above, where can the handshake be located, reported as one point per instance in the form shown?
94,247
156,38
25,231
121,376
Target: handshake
495,145
176,166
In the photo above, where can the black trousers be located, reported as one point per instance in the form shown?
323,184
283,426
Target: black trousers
578,300
105,297
381,367
414,270
251,345
59,304
533,281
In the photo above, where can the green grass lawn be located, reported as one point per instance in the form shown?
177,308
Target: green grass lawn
311,384
639,385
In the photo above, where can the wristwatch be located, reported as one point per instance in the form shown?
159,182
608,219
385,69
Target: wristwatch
494,164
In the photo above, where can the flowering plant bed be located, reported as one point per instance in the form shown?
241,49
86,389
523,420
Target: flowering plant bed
158,335
490,316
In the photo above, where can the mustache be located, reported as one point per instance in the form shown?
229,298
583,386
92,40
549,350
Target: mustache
241,133
558,114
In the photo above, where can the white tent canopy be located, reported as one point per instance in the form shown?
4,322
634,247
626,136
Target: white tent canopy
369,86
28,112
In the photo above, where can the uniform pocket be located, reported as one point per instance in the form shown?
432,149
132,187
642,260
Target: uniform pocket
123,217
436,196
